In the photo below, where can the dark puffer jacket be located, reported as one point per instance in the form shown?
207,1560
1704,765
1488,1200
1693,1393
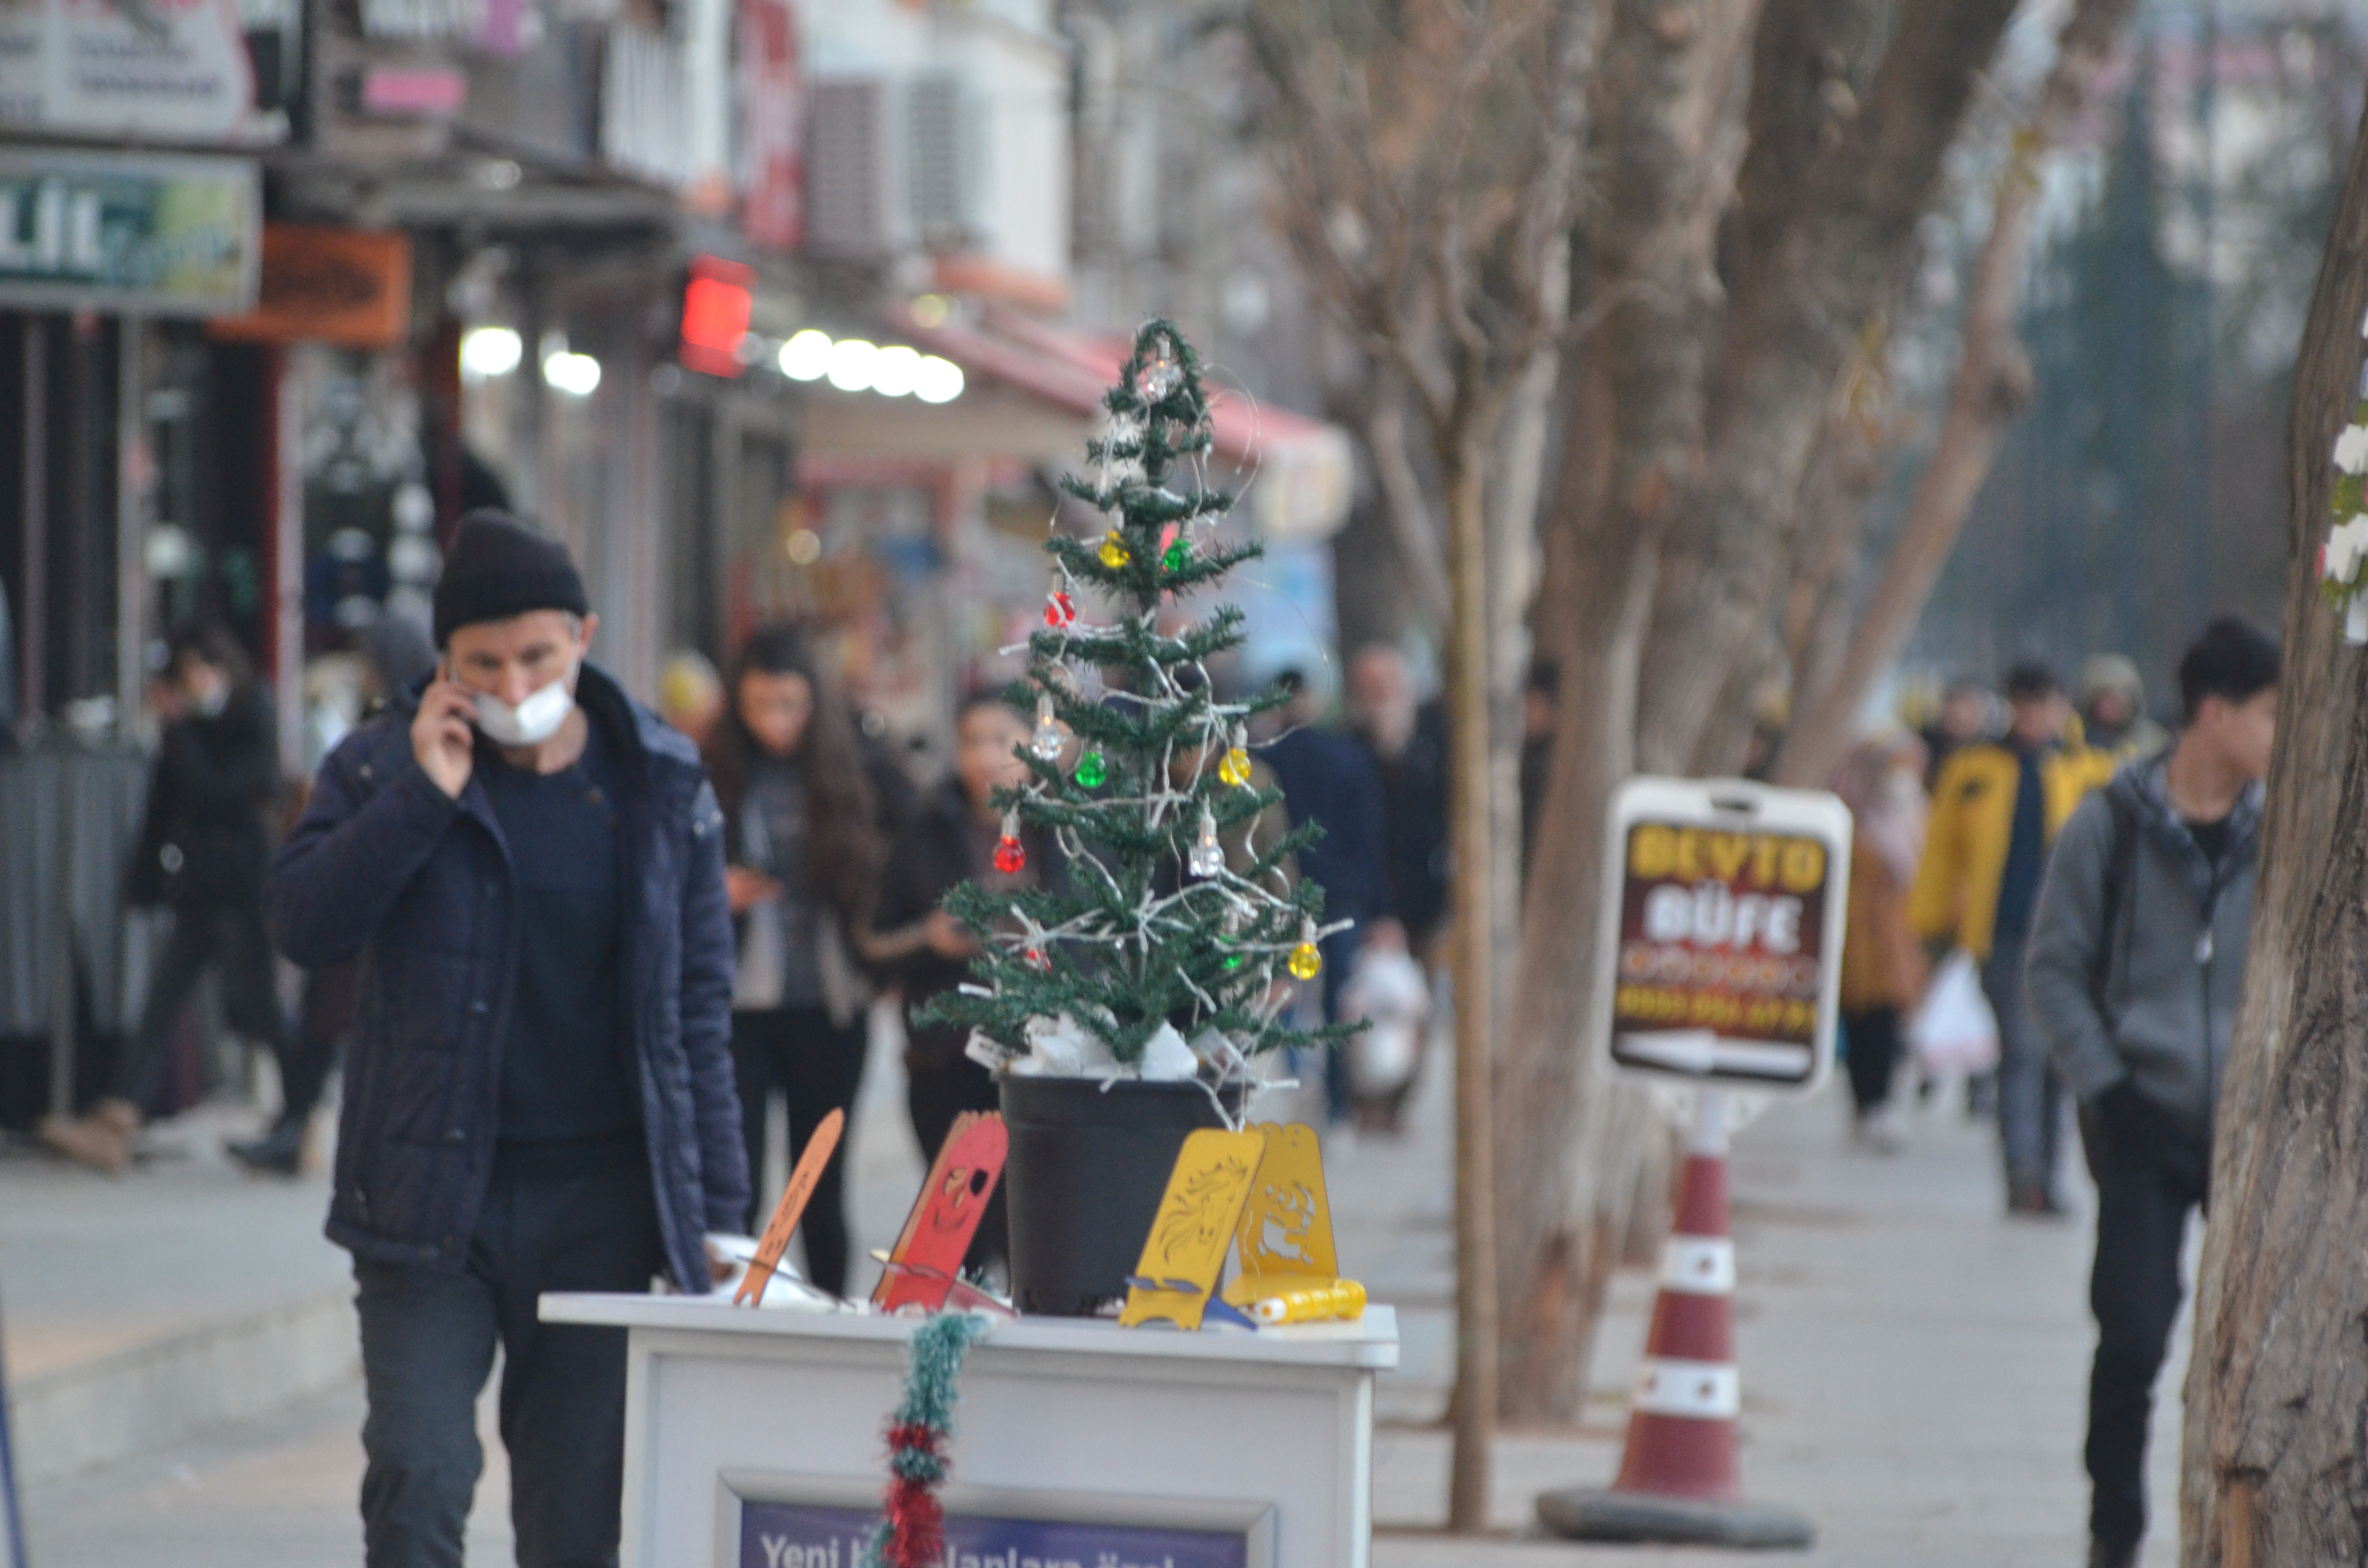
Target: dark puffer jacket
205,842
385,867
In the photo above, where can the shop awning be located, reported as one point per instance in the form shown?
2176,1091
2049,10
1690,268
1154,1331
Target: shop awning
1296,472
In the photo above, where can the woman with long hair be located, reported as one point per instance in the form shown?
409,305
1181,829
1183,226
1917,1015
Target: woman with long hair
804,850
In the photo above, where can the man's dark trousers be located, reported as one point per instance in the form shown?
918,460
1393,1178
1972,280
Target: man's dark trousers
2145,1185
427,1347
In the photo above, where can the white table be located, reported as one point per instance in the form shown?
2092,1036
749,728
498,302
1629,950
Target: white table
738,1420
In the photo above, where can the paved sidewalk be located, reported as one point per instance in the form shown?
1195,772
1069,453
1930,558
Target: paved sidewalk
1915,1370
91,1268
1914,1366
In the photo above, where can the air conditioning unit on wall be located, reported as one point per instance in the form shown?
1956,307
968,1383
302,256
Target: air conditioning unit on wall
892,164
944,141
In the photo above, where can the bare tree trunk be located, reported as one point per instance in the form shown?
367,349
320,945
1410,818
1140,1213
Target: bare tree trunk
1513,495
1993,385
1573,1135
1493,503
1833,514
2276,1461
1412,527
1831,264
1668,105
1433,162
1472,834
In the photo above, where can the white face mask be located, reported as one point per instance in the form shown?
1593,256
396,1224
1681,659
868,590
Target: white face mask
532,721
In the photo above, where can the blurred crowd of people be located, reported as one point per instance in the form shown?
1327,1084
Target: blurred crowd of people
840,859
838,864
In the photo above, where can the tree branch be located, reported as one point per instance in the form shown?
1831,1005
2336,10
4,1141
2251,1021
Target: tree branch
1992,386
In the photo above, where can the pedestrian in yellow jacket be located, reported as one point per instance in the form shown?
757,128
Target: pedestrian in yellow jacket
1956,894
1996,811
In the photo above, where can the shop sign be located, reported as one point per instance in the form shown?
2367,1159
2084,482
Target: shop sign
338,285
716,302
411,92
1721,957
168,69
772,95
160,234
787,1535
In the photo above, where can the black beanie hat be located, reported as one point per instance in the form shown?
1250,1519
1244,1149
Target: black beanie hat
498,568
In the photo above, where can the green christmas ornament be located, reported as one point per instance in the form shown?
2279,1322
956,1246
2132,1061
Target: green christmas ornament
1092,769
1178,556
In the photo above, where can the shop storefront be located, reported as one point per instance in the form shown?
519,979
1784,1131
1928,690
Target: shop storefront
122,425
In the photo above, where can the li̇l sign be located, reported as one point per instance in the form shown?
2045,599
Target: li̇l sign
1721,955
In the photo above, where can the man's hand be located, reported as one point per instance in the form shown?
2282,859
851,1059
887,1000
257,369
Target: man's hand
947,937
747,889
719,1268
441,735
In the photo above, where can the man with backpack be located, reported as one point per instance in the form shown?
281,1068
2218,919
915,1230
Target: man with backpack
2137,951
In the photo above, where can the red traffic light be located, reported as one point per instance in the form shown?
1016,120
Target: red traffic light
715,316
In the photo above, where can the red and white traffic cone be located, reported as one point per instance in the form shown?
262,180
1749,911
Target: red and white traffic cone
1679,1480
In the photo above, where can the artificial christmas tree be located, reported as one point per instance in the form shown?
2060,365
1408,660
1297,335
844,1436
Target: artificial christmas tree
1157,965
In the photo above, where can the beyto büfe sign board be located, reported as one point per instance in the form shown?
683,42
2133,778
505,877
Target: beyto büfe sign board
1723,919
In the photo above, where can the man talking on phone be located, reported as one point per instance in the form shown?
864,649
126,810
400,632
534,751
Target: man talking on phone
538,1095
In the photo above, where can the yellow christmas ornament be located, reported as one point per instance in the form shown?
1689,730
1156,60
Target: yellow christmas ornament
1306,963
1234,768
1114,553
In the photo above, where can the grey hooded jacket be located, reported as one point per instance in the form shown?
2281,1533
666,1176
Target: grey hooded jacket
2152,999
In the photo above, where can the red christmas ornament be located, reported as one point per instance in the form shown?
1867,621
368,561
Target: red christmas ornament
1060,610
1037,959
1010,858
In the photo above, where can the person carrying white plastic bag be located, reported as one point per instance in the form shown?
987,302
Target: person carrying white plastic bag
1953,1031
1387,991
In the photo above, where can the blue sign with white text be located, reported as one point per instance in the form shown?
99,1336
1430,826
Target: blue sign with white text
793,1535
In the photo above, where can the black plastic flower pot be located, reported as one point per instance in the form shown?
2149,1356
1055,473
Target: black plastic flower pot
1086,1167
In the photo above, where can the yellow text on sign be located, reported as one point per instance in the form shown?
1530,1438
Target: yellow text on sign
1659,853
1714,1009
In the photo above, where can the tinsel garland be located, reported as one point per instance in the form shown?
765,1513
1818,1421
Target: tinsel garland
912,1532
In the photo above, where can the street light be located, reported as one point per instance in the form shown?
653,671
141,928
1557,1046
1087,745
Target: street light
852,362
935,380
806,355
577,375
895,372
490,351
